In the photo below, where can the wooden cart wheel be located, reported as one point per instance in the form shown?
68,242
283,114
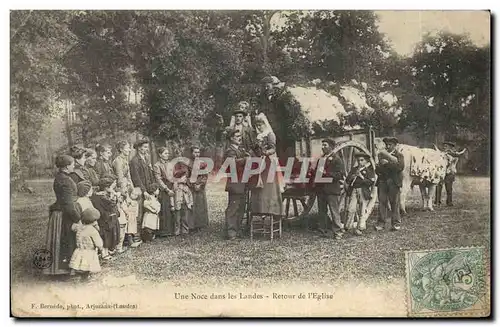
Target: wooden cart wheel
346,151
297,203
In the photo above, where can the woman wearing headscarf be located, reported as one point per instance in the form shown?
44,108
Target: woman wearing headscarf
198,217
266,191
60,240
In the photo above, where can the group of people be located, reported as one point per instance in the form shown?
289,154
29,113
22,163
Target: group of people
264,192
264,196
105,206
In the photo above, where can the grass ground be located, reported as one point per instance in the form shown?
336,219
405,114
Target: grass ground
299,255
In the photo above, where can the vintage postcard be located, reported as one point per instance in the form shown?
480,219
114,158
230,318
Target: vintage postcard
263,163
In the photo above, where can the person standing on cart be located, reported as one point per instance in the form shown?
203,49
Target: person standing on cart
358,190
329,192
390,180
284,113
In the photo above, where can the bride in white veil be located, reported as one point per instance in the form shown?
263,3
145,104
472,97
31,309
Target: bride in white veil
266,196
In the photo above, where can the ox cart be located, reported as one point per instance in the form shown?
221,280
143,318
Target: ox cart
300,198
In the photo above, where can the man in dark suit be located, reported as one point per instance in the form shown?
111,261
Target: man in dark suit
235,188
141,173
329,192
242,125
390,180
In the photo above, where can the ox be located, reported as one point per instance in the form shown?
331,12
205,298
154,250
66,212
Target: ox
424,167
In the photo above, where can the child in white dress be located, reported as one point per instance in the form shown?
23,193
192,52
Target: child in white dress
84,192
151,220
130,207
123,221
88,241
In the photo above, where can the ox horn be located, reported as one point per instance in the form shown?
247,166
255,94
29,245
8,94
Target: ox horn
435,147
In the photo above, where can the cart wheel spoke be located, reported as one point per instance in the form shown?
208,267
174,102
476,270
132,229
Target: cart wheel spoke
350,157
343,158
295,209
287,209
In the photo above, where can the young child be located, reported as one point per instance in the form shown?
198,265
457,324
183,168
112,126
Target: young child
358,183
88,242
131,208
123,221
151,220
182,201
84,192
105,200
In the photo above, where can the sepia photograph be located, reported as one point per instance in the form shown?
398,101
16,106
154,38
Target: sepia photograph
250,163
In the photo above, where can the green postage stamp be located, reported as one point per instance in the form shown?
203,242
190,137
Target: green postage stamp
448,282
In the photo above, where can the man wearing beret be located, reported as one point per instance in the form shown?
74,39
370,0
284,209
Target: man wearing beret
390,180
329,192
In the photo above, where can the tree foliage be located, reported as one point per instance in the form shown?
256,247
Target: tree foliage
186,67
335,45
447,87
38,39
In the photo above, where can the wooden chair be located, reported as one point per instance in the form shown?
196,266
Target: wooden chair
264,224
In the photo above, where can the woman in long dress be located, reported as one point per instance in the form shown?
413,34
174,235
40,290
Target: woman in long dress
161,176
60,240
266,192
198,217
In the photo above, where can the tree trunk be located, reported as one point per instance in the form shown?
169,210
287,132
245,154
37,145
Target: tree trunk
15,165
153,155
67,120
264,39
85,131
